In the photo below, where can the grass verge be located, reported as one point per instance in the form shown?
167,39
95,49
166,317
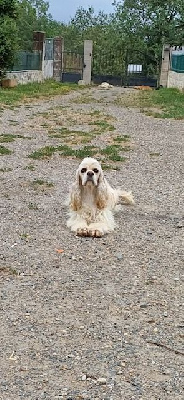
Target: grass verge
162,103
35,90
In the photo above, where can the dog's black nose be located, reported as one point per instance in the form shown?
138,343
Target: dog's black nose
90,174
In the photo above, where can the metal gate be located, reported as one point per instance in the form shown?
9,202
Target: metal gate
124,68
72,66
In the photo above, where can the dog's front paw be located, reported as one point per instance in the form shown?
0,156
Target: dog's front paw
82,232
95,233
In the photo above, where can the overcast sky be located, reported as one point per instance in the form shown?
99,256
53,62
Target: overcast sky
63,10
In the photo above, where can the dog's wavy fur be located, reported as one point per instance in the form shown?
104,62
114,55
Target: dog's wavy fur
92,200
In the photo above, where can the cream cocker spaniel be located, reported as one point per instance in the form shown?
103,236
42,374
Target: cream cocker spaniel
92,201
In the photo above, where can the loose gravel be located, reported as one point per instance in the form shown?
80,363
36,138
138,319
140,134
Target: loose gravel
83,318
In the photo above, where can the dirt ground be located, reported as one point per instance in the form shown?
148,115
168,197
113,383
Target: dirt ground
85,318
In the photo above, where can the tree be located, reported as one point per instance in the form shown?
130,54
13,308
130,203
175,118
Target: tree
32,16
152,22
8,34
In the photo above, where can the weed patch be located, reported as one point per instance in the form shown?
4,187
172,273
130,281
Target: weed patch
32,206
162,103
33,91
42,153
5,169
40,182
30,167
40,185
4,151
7,271
123,138
7,137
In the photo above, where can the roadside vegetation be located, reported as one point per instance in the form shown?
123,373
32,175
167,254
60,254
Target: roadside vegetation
33,91
162,103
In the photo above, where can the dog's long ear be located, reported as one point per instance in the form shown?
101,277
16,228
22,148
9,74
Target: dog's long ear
102,193
75,200
101,177
78,178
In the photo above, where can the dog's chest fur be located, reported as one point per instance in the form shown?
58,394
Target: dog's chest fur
89,207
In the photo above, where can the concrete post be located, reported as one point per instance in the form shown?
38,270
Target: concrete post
62,54
88,48
57,51
165,67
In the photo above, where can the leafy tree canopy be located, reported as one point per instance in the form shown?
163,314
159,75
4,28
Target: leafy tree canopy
8,34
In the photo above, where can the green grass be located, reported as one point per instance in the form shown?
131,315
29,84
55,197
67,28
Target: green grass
112,152
162,103
43,153
8,137
103,126
8,271
30,167
123,138
40,182
25,236
4,151
24,93
109,166
5,169
65,132
84,99
169,101
33,206
154,154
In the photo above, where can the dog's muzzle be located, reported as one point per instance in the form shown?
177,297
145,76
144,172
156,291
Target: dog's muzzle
90,176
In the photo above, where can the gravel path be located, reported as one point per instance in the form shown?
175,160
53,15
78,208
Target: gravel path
102,319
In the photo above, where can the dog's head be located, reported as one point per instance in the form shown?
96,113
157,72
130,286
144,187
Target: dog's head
89,172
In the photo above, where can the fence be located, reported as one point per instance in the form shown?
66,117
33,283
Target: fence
28,61
177,61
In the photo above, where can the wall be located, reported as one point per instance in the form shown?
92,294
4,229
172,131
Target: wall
24,77
165,66
175,80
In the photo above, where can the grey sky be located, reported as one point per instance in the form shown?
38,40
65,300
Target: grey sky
63,10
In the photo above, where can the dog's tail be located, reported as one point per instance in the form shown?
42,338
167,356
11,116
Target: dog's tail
125,197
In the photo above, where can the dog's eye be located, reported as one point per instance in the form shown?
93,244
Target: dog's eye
83,170
95,170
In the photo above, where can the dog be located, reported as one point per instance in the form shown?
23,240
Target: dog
92,201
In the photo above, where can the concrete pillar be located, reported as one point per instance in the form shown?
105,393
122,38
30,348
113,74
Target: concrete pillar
62,53
88,48
165,67
57,51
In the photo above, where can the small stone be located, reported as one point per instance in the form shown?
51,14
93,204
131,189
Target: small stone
179,225
102,381
165,314
143,305
81,82
120,372
84,377
119,256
